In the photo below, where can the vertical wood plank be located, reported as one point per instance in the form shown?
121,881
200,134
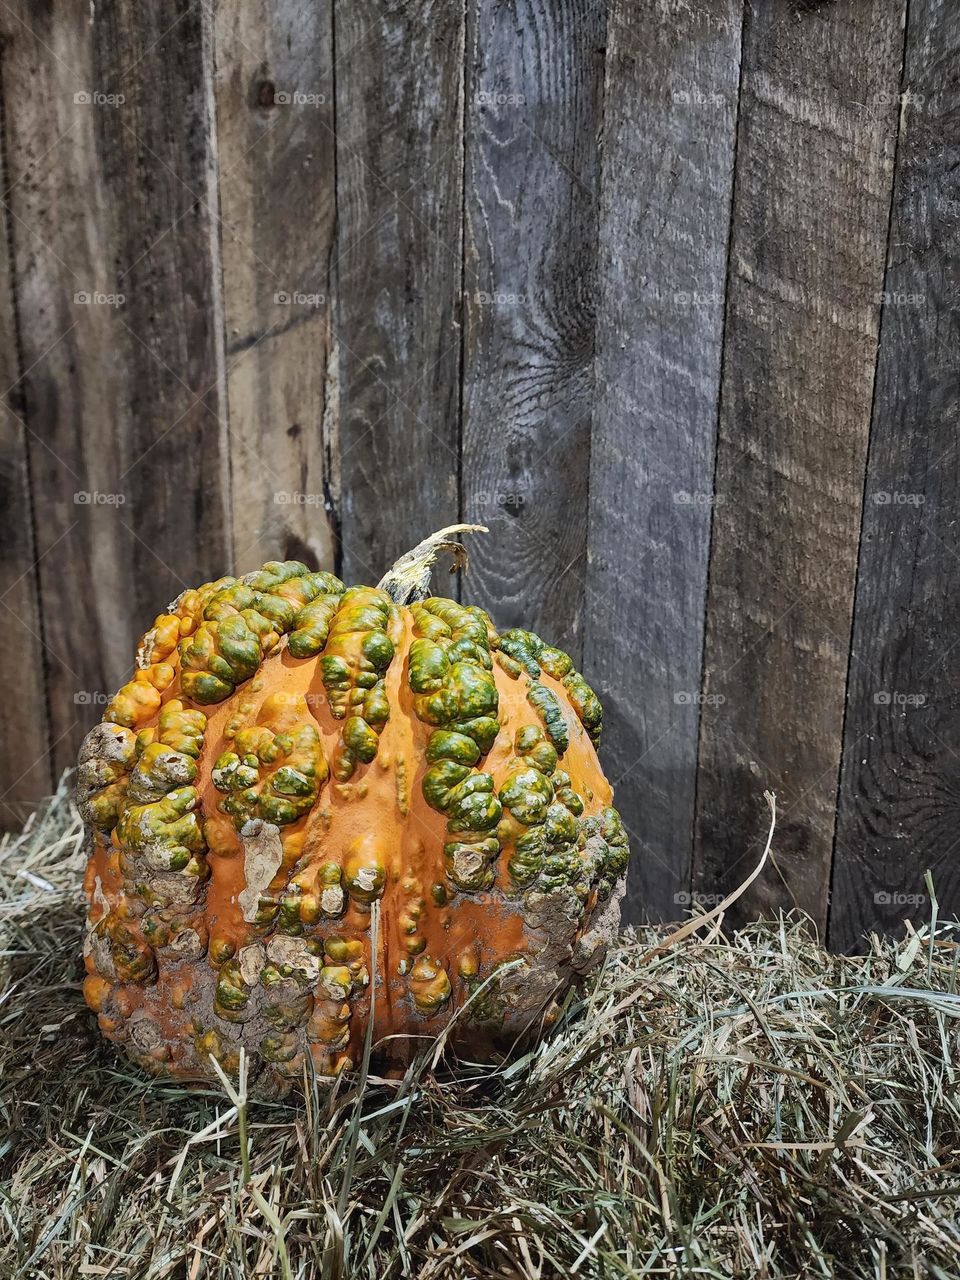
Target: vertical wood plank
533,95
25,770
275,114
900,789
670,120
811,206
399,182
113,206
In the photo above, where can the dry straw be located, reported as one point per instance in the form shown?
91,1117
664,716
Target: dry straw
745,1106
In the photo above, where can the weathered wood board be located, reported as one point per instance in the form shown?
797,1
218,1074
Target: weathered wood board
399,172
25,769
533,100
900,790
276,145
668,146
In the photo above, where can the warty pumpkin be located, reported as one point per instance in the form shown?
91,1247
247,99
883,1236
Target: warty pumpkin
311,802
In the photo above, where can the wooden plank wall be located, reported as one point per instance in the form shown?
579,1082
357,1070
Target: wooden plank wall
811,205
662,293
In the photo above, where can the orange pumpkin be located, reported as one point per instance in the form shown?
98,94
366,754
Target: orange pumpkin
314,805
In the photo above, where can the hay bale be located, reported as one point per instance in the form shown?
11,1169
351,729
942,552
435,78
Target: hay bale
740,1106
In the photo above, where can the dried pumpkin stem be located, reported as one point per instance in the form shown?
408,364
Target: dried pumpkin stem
409,579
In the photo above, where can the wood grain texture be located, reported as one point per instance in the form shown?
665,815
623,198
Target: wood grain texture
812,196
25,769
670,123
113,197
654,383
534,89
276,145
900,791
398,263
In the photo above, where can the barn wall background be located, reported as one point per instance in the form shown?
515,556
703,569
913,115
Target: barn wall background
663,293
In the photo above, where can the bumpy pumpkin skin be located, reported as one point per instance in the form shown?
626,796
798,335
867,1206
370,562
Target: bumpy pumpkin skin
290,753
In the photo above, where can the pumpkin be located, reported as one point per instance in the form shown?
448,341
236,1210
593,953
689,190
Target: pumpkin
316,812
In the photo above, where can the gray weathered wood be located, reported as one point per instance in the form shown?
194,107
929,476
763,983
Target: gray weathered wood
122,401
275,117
398,263
668,146
25,772
900,792
533,95
667,436
811,204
